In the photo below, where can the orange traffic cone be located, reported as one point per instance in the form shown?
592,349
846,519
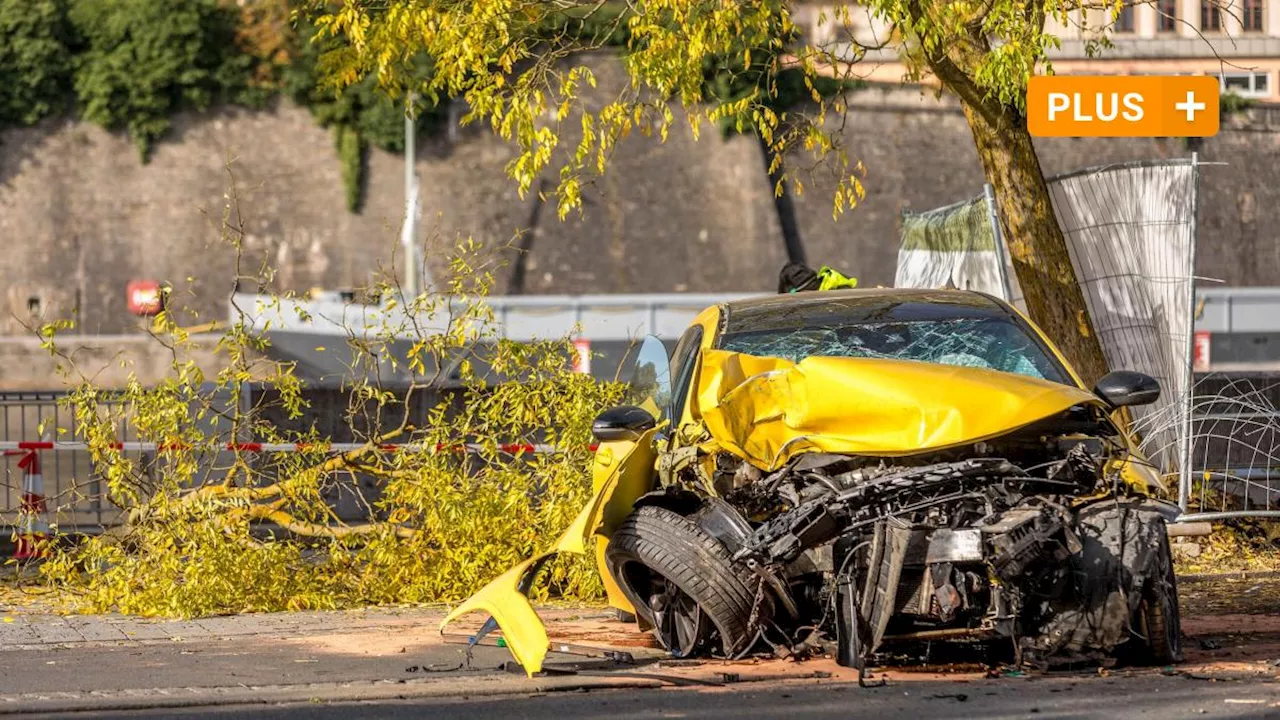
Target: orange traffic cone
33,529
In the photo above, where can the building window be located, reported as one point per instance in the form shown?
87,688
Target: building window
1210,16
1247,84
1168,11
1124,21
1252,17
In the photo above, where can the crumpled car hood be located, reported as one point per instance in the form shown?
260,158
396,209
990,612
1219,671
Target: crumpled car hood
768,410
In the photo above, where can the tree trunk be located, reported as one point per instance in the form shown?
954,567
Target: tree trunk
1037,247
785,208
525,246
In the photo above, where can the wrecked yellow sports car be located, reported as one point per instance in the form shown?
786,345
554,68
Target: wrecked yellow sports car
864,469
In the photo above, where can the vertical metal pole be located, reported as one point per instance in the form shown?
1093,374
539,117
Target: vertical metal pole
994,216
409,232
1184,474
246,413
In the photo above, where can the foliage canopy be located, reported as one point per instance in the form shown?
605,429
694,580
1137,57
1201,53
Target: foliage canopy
512,60
132,64
36,43
144,60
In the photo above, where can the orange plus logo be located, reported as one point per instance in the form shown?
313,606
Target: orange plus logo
1120,106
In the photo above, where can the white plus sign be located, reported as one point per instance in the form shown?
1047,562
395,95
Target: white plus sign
1190,106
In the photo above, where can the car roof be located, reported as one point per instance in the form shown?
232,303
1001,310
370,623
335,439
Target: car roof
836,307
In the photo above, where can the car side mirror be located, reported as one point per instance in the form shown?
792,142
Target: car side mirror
1125,388
625,422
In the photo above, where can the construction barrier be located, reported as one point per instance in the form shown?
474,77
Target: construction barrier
32,529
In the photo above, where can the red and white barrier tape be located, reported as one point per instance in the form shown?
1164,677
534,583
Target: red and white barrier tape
32,528
511,448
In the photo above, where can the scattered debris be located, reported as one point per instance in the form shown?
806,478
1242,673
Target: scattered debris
434,668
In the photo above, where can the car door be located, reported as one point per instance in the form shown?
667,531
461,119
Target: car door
623,469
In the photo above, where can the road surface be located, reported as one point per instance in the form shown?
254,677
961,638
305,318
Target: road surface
392,662
1113,698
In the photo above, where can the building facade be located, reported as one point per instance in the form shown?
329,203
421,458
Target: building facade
1236,40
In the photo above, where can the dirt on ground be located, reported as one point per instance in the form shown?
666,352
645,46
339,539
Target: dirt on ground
1231,625
1231,630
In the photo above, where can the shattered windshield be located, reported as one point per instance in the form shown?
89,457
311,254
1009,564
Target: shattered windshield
985,342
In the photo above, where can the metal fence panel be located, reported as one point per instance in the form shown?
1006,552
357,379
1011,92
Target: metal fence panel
1235,430
954,246
73,491
1131,233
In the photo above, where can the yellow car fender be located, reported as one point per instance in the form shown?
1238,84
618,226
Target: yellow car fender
1138,474
621,472
506,598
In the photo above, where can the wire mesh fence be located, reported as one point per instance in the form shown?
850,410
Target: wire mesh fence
1131,232
1234,455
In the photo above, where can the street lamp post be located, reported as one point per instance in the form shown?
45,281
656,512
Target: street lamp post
408,234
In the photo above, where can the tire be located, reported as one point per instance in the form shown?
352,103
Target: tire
683,583
623,616
1125,558
1157,620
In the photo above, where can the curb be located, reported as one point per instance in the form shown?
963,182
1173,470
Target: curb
1237,575
456,688
192,697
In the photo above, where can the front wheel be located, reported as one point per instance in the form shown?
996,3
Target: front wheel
1157,620
682,582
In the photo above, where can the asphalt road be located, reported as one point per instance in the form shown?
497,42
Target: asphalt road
393,663
1147,696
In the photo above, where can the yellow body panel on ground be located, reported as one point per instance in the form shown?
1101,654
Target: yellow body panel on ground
624,473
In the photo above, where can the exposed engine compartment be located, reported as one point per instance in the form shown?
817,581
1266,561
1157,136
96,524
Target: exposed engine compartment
989,540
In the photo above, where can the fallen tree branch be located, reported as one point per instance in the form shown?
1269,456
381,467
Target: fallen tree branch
317,530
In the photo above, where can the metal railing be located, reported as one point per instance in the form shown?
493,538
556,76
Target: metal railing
1235,453
73,489
519,317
